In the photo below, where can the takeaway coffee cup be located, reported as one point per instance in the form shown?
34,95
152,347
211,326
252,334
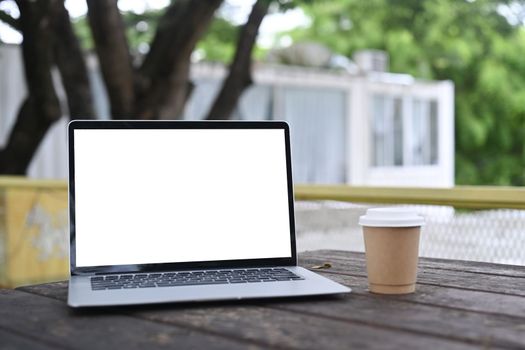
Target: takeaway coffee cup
391,245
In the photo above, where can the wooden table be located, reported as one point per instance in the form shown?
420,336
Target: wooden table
457,305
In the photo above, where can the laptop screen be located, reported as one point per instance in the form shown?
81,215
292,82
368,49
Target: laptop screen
147,196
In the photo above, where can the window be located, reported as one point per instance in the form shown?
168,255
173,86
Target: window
387,131
424,132
404,136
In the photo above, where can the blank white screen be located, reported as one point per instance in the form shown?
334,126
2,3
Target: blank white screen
158,196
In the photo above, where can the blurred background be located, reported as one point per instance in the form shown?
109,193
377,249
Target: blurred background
390,102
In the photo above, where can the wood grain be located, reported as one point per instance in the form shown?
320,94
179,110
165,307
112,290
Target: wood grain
12,341
444,313
435,263
449,297
270,327
51,322
454,276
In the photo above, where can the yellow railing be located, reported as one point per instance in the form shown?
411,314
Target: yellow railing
33,218
481,197
24,182
473,197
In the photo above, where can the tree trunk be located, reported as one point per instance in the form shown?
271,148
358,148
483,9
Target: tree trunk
71,65
113,55
165,70
239,77
159,89
25,137
180,91
41,109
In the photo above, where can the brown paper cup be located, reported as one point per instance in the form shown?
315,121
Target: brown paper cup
391,258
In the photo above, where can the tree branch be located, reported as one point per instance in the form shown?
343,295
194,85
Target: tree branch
10,20
41,109
165,69
179,91
27,133
239,77
113,55
35,23
71,64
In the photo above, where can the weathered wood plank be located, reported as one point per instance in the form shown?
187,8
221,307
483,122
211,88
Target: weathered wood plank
253,321
52,322
435,263
299,330
350,274
439,316
11,341
446,278
470,327
55,290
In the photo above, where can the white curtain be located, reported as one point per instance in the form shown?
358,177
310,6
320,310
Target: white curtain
317,121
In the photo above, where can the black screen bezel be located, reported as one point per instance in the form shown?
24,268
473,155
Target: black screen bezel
172,124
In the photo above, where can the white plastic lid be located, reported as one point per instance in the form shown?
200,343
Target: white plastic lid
391,217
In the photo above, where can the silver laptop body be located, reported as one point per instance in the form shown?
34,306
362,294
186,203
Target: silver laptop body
180,211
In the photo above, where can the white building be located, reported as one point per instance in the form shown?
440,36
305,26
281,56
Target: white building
370,128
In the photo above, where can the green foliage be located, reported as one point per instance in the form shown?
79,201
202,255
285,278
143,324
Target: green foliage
218,44
140,29
220,40
83,32
468,42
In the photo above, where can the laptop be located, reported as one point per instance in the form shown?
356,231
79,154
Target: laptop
183,211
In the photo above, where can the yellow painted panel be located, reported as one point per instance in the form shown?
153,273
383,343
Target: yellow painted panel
36,235
2,240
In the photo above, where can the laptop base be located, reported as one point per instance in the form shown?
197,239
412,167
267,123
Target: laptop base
81,295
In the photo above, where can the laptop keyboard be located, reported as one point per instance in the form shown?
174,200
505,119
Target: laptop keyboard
191,278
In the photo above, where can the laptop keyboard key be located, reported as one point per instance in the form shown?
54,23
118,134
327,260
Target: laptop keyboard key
192,278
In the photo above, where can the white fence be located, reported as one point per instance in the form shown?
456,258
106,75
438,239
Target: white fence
492,235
